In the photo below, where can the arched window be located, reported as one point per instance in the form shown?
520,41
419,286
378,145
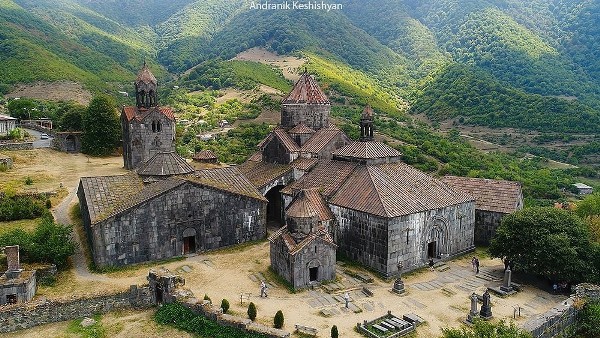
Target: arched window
154,126
158,126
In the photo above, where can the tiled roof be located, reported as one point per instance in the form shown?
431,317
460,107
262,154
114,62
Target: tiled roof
229,179
285,139
204,155
321,139
304,164
309,203
295,246
367,150
145,76
261,173
301,128
141,113
395,189
490,195
327,176
165,164
256,157
306,90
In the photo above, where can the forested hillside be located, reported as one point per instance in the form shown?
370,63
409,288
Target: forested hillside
531,64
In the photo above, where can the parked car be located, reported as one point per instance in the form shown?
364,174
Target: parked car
43,136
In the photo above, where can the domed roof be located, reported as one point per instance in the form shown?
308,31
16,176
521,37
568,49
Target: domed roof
165,164
307,91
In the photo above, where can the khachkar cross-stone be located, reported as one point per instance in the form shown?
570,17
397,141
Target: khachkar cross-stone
399,284
474,313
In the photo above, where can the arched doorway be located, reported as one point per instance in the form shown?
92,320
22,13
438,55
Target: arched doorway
70,143
275,205
189,241
435,238
313,268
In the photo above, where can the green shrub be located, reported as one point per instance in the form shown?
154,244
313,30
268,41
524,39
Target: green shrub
28,180
48,204
252,311
278,320
334,332
206,297
16,208
48,243
588,320
225,305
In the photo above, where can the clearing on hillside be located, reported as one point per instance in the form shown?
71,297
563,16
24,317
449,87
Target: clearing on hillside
55,91
289,65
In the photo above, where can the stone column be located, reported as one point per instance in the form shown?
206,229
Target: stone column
399,284
507,281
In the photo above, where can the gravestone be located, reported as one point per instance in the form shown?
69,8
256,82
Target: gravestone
474,313
506,283
399,284
486,308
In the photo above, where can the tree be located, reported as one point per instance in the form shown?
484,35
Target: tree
334,332
545,241
71,120
23,109
225,305
101,127
588,320
482,328
278,320
252,311
590,206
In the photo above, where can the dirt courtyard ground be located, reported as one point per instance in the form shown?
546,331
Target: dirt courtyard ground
439,297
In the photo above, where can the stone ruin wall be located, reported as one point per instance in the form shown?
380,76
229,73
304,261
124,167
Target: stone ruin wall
558,320
23,316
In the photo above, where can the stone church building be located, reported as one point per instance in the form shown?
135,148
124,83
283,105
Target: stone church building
164,208
378,210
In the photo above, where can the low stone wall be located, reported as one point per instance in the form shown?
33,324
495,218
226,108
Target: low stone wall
556,321
16,146
23,316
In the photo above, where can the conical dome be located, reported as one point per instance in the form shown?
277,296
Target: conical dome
145,76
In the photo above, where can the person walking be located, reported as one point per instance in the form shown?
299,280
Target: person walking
431,264
477,265
347,299
473,263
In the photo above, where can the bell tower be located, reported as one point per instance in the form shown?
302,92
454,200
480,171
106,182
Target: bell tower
366,124
145,88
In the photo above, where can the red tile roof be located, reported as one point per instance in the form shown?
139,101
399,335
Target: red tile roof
307,204
327,176
229,179
322,138
284,138
204,155
490,195
301,128
256,157
367,150
141,113
304,164
296,245
395,189
306,90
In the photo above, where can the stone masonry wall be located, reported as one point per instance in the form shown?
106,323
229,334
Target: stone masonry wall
486,223
140,143
22,316
316,254
155,229
556,321
380,243
16,146
315,116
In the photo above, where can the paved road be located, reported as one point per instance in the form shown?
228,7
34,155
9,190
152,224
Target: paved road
39,143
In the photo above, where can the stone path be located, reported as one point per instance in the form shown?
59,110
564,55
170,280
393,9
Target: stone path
461,279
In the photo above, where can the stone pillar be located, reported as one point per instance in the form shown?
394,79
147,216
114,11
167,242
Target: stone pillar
474,313
13,262
507,281
486,308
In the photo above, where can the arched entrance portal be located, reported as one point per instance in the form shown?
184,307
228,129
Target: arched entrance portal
275,205
435,239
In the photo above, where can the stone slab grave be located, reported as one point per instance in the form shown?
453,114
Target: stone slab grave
506,289
390,326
